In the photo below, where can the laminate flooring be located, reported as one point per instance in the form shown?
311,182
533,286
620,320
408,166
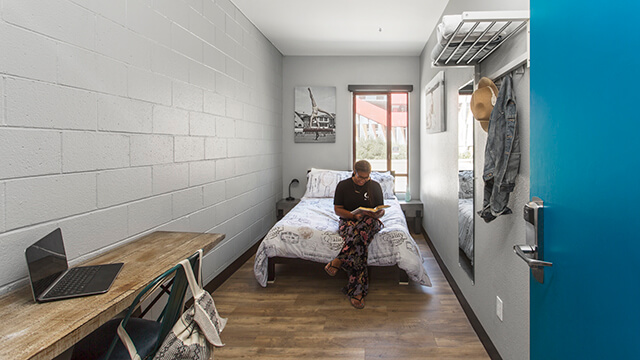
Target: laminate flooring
304,315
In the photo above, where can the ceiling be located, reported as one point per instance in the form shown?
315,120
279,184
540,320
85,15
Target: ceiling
345,27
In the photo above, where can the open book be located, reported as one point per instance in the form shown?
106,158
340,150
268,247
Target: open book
366,209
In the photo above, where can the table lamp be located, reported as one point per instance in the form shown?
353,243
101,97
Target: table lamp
294,181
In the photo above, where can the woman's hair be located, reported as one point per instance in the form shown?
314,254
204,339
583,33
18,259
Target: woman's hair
362,166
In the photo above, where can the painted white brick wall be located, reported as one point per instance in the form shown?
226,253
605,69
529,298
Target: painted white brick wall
148,86
59,19
34,200
123,185
149,213
122,117
2,225
201,172
27,54
215,148
151,149
84,151
202,124
214,103
44,105
214,193
29,152
168,120
2,118
170,177
189,148
187,201
188,97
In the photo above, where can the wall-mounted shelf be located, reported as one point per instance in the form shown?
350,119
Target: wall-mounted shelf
468,39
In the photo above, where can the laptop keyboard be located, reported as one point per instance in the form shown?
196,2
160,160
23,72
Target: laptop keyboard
74,281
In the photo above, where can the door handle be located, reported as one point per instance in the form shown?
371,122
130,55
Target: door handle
524,250
533,252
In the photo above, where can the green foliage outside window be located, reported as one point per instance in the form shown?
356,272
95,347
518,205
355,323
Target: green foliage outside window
375,149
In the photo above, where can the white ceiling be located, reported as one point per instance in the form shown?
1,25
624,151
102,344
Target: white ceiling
345,27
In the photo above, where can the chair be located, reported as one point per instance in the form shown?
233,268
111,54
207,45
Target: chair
147,335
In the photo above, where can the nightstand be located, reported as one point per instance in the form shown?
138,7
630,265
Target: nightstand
283,207
412,210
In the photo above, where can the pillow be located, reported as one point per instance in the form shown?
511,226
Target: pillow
465,184
322,183
385,179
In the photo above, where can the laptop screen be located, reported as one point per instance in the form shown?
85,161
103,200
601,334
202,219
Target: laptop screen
46,260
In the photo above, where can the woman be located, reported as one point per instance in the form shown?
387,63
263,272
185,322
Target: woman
358,230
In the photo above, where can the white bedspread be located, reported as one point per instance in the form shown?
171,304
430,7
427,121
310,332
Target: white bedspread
310,231
465,226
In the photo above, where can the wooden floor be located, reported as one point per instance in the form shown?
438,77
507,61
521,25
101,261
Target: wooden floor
304,315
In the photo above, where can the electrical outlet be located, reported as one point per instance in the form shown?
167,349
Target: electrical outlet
499,307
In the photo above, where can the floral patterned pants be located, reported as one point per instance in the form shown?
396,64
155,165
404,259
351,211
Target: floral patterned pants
357,235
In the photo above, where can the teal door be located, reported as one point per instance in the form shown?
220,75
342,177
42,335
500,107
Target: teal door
585,166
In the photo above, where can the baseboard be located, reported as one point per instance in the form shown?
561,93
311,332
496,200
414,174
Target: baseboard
473,319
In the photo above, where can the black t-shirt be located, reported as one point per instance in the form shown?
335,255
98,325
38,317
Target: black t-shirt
351,196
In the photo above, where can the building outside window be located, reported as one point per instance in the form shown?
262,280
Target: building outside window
380,122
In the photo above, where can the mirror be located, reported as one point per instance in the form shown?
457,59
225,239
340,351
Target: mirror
465,179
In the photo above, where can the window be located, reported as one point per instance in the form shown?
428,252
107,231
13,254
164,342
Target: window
380,136
465,128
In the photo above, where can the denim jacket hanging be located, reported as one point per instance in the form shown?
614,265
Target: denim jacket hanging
501,155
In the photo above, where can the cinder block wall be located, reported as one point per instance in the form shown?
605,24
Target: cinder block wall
122,117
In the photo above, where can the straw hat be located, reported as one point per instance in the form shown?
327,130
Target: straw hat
483,100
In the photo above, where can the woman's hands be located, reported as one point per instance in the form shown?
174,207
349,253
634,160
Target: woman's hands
377,214
345,214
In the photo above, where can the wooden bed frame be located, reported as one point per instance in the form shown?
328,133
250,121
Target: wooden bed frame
403,278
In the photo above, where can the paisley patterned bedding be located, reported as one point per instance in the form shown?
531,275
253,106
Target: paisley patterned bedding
310,231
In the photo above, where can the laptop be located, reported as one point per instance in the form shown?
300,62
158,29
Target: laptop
52,279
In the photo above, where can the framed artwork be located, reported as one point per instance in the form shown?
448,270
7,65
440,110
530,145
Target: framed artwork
434,104
314,114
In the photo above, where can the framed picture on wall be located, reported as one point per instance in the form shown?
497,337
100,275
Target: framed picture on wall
314,114
434,104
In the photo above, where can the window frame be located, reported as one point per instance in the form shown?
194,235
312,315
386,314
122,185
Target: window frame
388,141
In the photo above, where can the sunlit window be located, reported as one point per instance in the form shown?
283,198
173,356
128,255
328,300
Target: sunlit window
381,133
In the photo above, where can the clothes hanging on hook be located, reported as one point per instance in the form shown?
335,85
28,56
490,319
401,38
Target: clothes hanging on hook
502,154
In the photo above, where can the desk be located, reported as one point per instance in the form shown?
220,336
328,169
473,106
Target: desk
30,330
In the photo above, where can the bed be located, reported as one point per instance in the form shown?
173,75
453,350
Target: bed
310,231
465,213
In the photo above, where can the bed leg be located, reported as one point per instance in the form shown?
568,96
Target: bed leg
271,270
404,278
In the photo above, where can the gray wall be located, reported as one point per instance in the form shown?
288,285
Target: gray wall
498,272
118,118
341,72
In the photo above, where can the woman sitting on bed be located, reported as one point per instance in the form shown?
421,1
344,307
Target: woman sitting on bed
356,230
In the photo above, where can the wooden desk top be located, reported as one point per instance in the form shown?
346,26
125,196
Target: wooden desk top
29,330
